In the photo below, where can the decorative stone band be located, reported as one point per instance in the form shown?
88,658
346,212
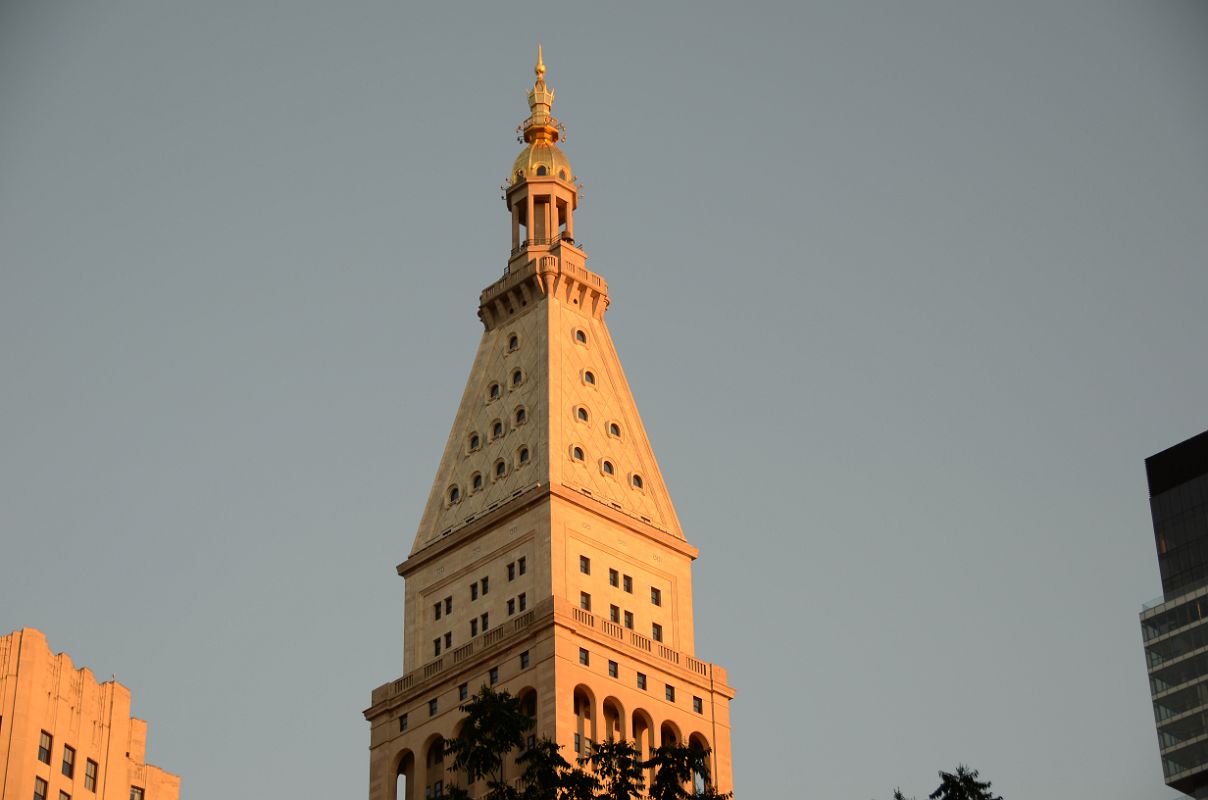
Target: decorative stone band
546,274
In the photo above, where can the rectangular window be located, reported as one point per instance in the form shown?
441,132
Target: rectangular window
629,620
45,744
402,723
448,639
68,761
40,789
642,681
463,691
485,585
523,601
494,675
520,566
512,571
578,743
614,614
485,623
64,795
473,628
612,669
670,692
448,605
524,660
585,601
530,742
436,647
656,596
627,583
614,578
698,705
436,611
473,591
585,565
511,606
438,789
656,632
90,770
584,657
432,706
136,793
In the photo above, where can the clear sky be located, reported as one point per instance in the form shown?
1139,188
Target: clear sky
906,293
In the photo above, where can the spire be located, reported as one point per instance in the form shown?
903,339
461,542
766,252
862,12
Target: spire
540,126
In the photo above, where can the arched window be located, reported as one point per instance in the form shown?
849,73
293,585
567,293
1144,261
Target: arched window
500,468
524,455
614,430
493,392
577,453
517,378
521,416
607,467
497,429
637,481
541,170
513,343
581,413
562,174
589,377
476,481
580,336
475,441
454,494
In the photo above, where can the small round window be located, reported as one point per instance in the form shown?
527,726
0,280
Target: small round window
500,469
589,377
521,416
494,391
476,481
576,453
523,455
582,414
607,467
580,336
513,343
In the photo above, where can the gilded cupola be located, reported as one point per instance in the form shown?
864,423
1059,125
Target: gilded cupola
541,156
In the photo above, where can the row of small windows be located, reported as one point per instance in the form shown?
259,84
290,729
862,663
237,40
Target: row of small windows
68,767
500,470
463,692
519,417
616,579
583,415
495,390
480,623
607,467
698,704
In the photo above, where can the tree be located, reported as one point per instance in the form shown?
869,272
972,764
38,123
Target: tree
494,726
960,785
617,768
675,767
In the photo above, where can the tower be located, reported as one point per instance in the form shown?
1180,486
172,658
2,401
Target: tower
549,560
1173,627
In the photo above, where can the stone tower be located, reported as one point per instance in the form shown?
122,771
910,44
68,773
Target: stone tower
549,560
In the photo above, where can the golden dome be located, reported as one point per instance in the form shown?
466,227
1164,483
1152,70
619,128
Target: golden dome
541,132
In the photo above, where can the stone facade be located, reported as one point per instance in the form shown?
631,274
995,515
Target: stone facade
549,560
63,735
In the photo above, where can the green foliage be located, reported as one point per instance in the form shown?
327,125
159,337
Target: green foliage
960,785
494,726
618,769
674,768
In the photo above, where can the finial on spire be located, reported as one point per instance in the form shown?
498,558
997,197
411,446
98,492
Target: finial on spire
540,68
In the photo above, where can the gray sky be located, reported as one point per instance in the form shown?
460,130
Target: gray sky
906,294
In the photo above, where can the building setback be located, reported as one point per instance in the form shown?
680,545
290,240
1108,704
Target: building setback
549,560
1175,627
63,735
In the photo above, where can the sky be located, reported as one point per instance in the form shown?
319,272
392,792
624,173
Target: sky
906,293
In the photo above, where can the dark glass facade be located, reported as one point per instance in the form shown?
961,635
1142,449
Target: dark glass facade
1175,628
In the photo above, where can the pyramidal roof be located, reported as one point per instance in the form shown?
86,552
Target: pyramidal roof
546,404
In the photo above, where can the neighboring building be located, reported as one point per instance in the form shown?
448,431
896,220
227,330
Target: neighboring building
549,560
1175,628
65,736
